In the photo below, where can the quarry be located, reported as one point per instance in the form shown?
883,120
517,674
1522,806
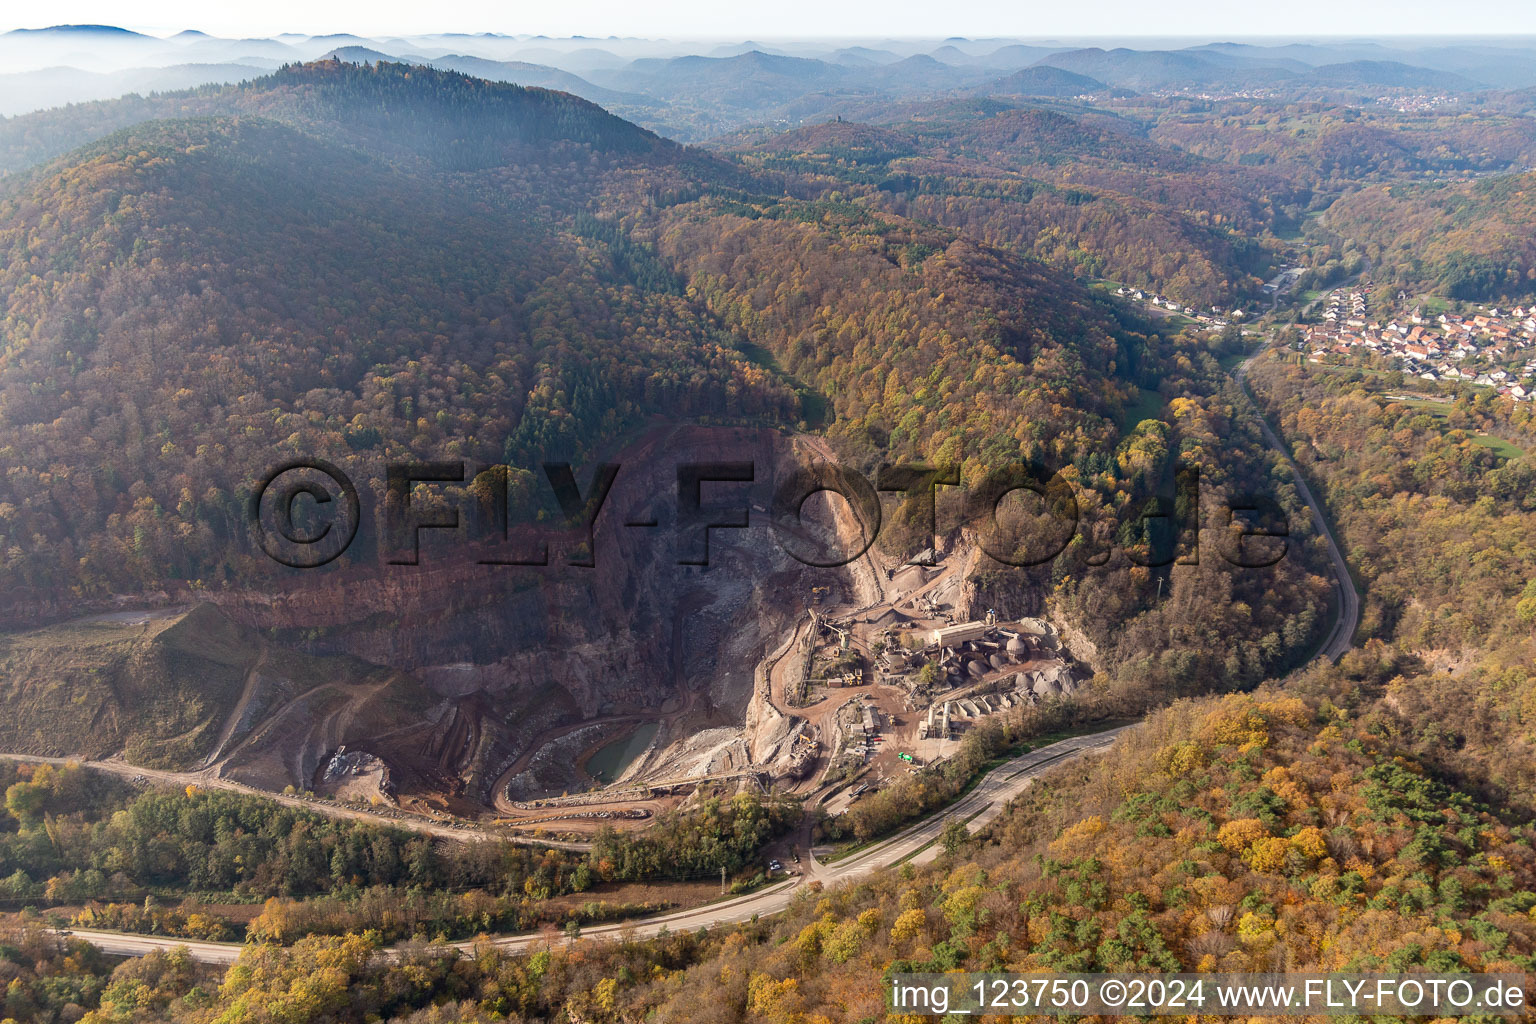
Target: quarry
555,702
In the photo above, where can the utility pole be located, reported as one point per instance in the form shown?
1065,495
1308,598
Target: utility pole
722,879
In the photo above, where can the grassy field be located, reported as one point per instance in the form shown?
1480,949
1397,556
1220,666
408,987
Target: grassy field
1231,359
1442,412
1439,409
1498,445
1433,305
1148,405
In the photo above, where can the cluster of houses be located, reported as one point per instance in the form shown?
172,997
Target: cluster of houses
1420,103
1216,317
1483,348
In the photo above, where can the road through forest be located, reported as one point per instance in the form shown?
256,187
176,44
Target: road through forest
917,844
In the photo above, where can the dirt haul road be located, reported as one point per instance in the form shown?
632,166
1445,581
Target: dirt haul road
207,779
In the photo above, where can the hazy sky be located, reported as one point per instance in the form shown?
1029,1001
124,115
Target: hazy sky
796,18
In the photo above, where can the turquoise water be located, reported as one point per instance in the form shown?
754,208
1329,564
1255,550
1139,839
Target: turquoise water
609,761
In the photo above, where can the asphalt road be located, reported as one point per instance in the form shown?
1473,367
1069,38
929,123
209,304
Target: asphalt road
1341,637
917,844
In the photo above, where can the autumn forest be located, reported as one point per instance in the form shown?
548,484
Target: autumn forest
1109,265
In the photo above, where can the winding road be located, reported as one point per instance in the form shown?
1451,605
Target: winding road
917,844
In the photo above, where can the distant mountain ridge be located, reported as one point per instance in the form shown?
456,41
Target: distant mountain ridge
71,85
1149,70
77,30
693,91
539,75
747,79
1045,80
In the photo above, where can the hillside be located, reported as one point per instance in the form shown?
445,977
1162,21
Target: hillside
357,262
394,110
1334,148
185,690
1437,524
1084,191
256,285
1468,240
1043,80
399,259
1389,74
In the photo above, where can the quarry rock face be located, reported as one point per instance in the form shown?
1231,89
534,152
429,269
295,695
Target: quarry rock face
513,653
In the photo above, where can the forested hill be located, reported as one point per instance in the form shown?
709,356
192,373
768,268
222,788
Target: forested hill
451,119
1086,191
1469,240
189,297
360,263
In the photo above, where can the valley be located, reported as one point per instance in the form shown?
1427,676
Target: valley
500,528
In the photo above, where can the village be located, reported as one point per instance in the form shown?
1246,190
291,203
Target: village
1484,348
1216,316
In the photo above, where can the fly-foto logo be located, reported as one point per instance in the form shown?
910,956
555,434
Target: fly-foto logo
307,512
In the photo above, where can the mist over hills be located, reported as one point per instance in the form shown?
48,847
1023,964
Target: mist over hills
693,91
1220,69
64,85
